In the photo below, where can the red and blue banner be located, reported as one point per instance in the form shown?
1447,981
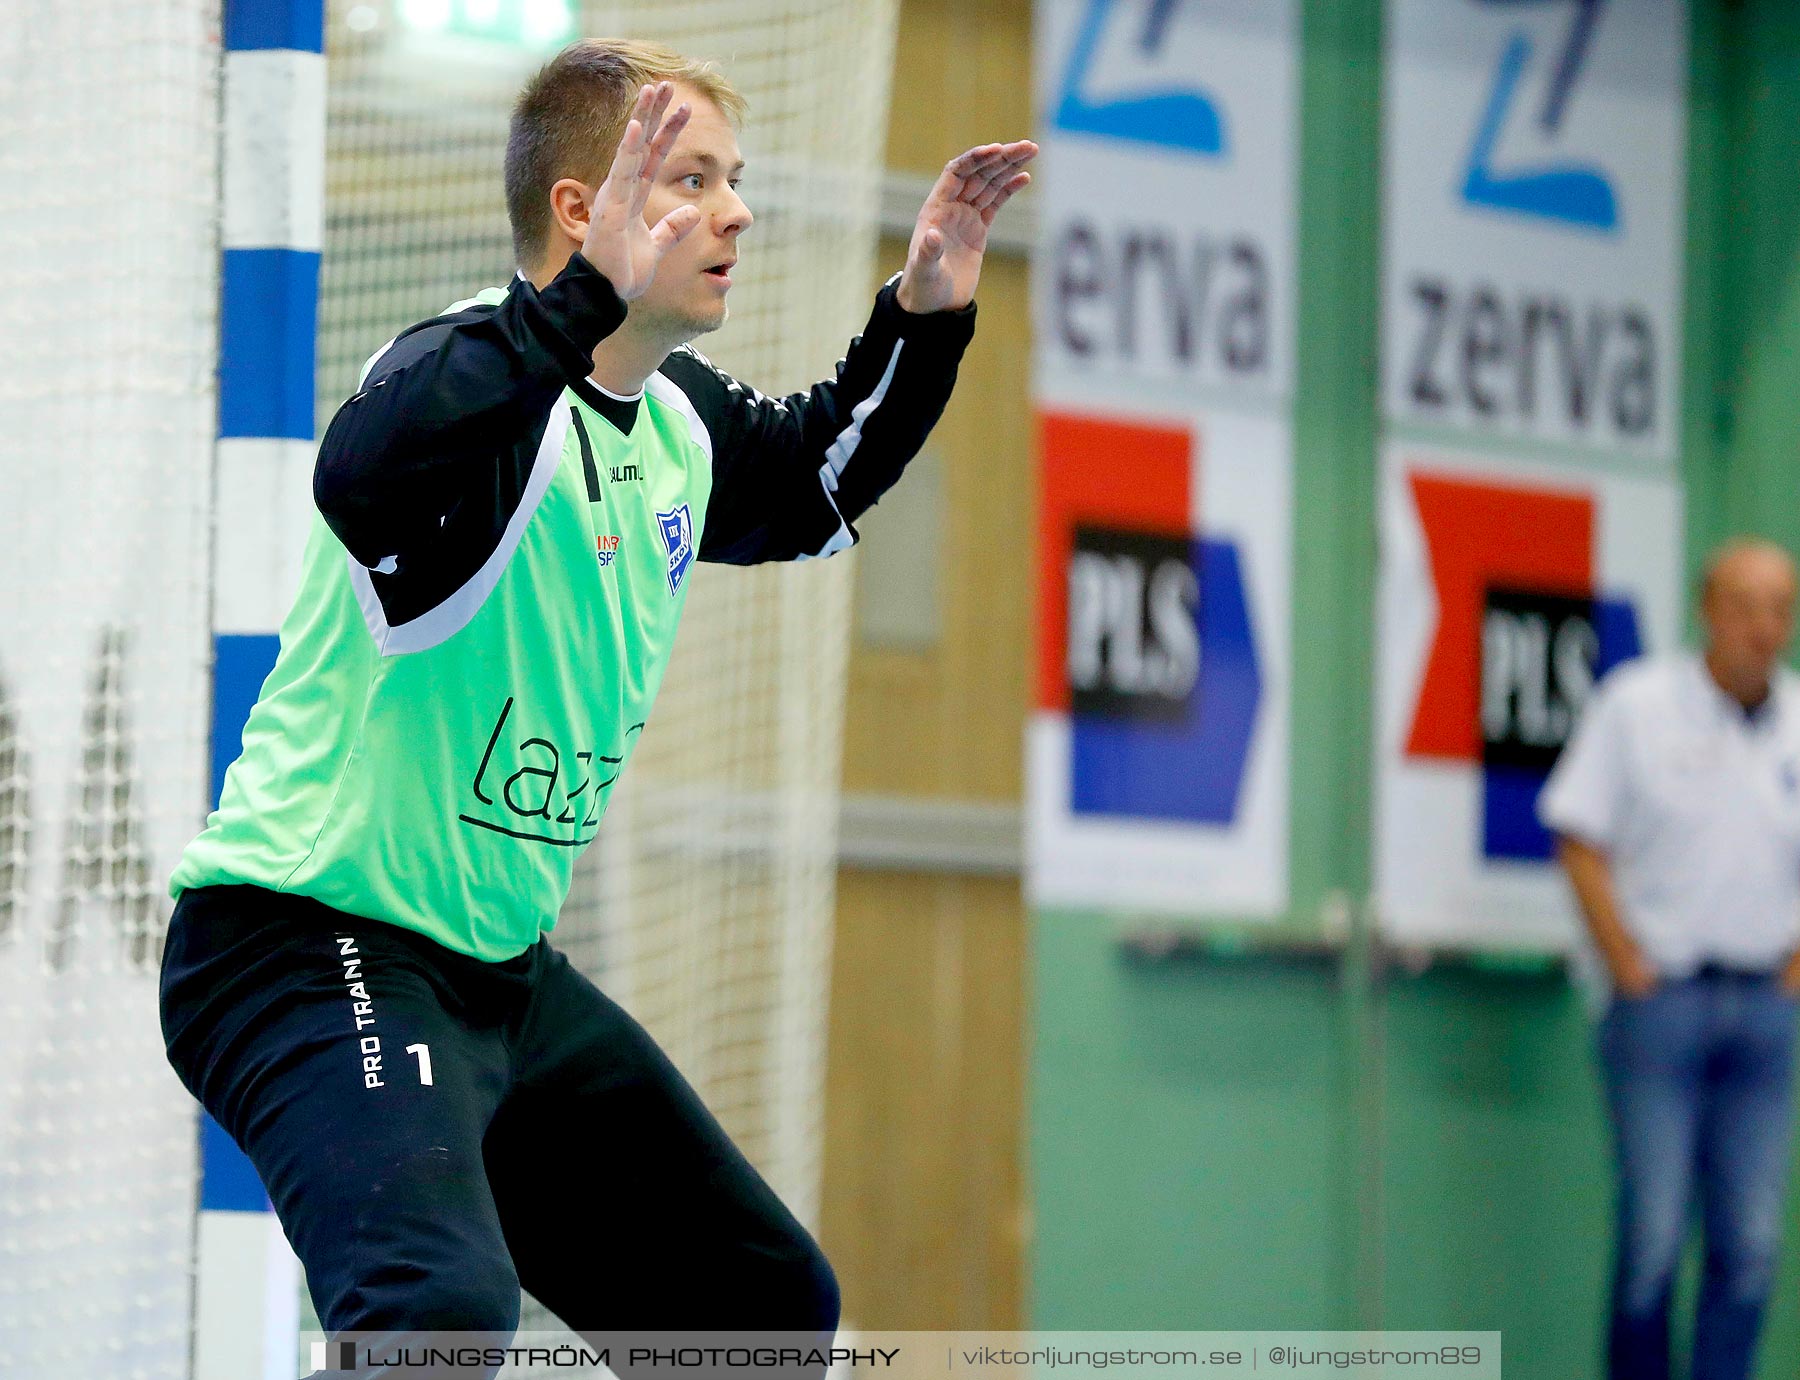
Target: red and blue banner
1158,738
1144,633
1522,634
1508,589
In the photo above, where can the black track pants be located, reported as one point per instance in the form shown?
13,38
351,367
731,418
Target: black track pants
435,1131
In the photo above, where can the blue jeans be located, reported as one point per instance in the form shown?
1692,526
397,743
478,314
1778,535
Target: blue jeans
1698,1081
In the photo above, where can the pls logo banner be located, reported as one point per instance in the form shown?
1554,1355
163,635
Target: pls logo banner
1507,593
1158,742
1522,635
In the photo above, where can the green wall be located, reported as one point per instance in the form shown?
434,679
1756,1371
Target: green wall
1257,1142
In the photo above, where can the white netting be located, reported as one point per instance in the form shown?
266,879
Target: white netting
705,907
108,152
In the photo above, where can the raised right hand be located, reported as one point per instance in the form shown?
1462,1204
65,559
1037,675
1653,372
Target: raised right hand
619,243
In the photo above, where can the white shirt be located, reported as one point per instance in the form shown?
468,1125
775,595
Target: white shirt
1696,805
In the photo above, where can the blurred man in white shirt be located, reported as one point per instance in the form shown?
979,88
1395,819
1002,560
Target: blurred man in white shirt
1677,811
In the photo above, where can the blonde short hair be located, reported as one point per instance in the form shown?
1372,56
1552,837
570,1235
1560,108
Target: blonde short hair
570,117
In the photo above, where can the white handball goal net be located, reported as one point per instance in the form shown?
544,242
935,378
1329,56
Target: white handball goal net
705,905
110,227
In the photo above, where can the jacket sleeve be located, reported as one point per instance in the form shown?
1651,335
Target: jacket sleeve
790,475
445,405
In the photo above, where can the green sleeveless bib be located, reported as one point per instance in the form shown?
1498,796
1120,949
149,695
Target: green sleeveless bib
444,774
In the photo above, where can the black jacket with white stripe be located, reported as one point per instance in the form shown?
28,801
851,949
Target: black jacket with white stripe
440,439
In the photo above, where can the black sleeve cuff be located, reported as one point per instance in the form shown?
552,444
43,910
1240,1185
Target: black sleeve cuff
951,329
572,314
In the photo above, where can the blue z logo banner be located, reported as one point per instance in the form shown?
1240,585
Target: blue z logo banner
1162,114
1565,190
677,526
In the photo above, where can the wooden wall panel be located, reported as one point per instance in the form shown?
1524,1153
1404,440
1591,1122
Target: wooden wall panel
925,1213
962,76
950,721
925,1216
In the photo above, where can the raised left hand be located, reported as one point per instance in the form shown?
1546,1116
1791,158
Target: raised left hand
943,262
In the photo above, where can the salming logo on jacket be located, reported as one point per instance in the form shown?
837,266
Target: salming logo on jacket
491,589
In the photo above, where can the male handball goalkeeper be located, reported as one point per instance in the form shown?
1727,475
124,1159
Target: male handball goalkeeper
356,982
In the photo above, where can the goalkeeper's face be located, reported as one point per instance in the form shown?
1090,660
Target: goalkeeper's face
687,296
